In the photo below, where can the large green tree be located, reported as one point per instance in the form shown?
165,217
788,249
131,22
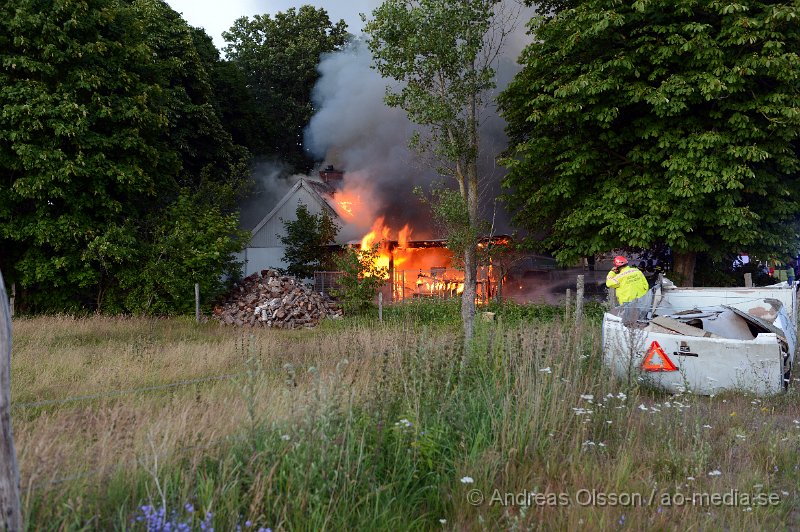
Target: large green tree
278,57
659,122
106,130
442,53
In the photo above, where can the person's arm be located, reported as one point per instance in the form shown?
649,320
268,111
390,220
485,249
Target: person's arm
611,280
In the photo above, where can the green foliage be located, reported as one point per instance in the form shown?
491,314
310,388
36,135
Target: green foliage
304,242
659,122
108,123
361,278
190,243
451,215
278,58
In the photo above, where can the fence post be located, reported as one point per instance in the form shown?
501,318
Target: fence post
567,304
197,302
10,517
579,299
380,307
612,297
748,280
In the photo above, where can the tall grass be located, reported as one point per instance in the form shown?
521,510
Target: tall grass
360,425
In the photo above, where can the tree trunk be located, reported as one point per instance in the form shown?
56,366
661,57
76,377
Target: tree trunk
10,518
468,296
683,265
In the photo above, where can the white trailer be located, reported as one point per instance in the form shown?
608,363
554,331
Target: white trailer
705,340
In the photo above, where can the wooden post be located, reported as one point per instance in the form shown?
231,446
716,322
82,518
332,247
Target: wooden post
748,280
10,517
567,304
197,302
579,299
380,307
612,297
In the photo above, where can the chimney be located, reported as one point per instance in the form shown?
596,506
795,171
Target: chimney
331,176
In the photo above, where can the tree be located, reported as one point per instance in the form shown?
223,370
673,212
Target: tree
659,122
305,240
278,57
443,52
81,141
108,124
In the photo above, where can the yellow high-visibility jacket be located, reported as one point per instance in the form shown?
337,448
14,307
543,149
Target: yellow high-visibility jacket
629,283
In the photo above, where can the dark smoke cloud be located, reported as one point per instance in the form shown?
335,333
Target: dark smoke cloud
356,131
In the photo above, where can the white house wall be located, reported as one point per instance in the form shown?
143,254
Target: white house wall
267,236
256,259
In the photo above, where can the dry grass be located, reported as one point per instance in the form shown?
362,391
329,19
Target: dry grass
517,418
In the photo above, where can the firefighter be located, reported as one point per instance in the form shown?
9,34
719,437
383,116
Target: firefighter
628,281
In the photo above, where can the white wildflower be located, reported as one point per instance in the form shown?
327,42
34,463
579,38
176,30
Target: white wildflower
546,370
467,480
587,397
714,473
286,437
643,408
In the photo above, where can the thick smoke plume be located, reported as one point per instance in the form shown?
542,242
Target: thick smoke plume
357,132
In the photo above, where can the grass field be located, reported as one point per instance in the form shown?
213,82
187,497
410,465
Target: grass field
361,425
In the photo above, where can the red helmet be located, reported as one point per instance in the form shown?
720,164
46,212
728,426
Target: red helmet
619,260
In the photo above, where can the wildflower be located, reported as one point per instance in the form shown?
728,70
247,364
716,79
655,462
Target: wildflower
733,414
609,422
248,524
689,478
546,370
707,426
622,520
715,473
467,480
587,397
443,521
785,493
741,436
404,423
188,507
643,408
286,437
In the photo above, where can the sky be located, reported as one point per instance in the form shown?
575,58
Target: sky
216,16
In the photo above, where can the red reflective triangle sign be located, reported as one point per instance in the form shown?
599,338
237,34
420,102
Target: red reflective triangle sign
657,360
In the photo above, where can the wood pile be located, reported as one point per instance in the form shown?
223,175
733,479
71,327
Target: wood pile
268,299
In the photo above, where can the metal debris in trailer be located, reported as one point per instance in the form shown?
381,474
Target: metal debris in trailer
712,339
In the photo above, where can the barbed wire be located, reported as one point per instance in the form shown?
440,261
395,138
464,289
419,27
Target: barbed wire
118,393
138,461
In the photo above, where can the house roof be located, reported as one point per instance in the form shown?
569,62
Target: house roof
318,191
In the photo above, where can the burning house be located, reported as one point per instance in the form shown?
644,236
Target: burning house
265,250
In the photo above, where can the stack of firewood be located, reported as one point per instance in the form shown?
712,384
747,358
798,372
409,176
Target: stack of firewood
268,299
